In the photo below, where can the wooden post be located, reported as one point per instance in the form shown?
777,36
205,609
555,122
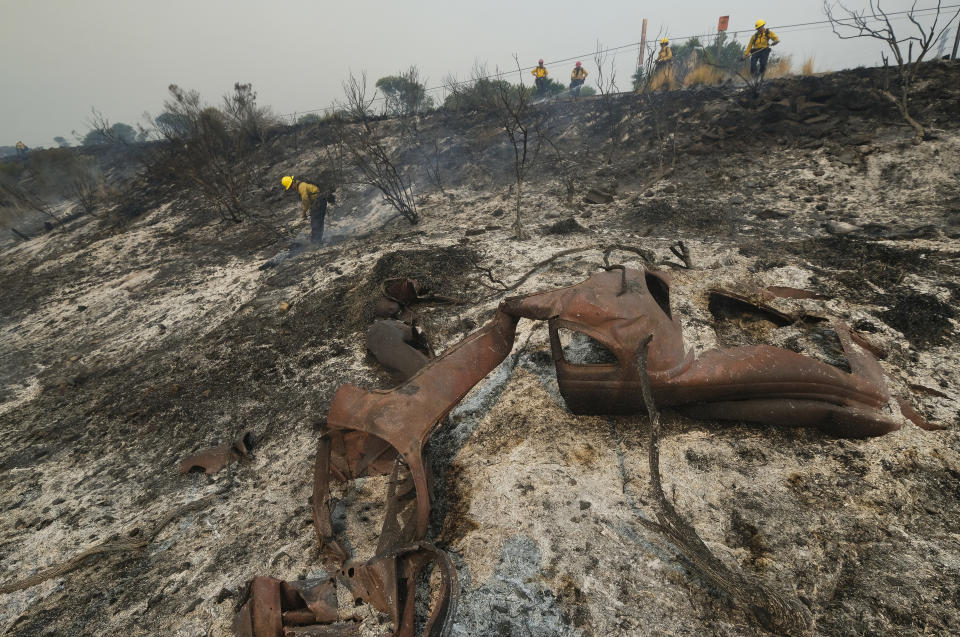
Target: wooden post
643,43
722,25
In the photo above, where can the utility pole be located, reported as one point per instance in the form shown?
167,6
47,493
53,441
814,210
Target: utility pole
956,42
643,43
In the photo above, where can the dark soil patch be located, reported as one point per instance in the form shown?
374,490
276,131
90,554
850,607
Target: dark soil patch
923,319
654,211
441,271
853,262
564,226
690,214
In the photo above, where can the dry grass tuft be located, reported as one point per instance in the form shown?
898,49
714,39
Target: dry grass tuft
807,66
663,79
781,68
704,75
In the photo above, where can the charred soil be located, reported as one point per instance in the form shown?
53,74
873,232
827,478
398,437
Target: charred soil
134,340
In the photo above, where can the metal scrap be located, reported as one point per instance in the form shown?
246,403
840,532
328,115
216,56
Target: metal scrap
394,344
386,432
214,459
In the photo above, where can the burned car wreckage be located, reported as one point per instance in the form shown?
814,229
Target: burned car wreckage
385,432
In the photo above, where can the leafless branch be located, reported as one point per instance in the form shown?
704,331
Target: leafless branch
368,154
511,103
874,22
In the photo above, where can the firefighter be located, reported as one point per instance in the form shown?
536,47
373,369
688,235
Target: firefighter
666,53
758,49
540,73
663,69
21,148
577,78
312,200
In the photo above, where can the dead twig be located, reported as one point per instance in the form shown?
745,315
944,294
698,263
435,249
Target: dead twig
778,613
644,254
682,252
108,547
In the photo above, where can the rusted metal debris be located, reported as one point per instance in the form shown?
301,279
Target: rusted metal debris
406,291
385,432
910,413
395,345
212,460
304,607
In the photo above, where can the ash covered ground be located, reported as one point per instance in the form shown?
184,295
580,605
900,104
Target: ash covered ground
128,346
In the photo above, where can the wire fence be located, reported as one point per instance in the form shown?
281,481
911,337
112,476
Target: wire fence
800,27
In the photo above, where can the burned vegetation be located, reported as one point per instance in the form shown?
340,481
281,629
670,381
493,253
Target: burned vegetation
215,427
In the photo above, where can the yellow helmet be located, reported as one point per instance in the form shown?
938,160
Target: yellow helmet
760,23
287,182
664,41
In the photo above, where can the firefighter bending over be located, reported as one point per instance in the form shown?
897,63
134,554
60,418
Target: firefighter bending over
577,78
758,49
312,201
539,72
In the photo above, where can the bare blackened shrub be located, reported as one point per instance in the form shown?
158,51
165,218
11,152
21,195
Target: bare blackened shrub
15,196
366,152
52,176
610,102
874,22
210,149
646,81
523,126
567,169
248,121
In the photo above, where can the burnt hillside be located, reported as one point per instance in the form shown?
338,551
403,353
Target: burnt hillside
155,329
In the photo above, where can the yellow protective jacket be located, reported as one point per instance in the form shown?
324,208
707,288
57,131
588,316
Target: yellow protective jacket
579,73
308,194
539,71
665,54
761,40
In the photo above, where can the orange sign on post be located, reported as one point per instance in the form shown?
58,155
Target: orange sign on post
724,21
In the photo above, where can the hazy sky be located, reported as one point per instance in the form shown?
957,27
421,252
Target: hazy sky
59,58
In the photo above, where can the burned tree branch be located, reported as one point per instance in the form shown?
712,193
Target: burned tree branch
874,22
644,254
369,155
682,252
511,103
122,545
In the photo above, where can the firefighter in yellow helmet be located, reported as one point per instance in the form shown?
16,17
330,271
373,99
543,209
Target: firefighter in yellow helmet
21,148
577,77
666,54
312,200
539,73
663,69
758,49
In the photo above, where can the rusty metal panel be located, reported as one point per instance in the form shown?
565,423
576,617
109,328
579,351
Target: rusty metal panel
212,460
379,432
